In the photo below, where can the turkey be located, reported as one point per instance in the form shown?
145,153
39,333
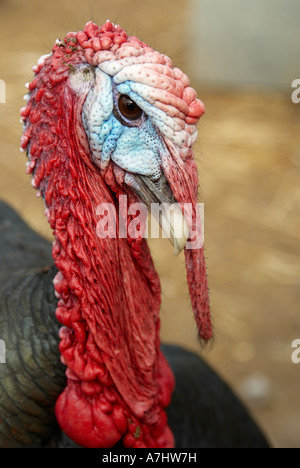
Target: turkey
108,128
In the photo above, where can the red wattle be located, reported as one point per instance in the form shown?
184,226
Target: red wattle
83,420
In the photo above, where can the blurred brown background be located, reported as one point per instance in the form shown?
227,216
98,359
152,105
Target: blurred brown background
248,154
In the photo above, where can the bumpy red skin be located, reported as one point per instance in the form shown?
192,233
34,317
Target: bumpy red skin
109,293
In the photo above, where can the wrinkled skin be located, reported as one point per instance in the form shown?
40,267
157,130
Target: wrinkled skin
83,153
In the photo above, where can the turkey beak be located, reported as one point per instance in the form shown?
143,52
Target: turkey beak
160,202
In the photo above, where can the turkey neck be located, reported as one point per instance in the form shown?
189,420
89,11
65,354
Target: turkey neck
109,301
109,293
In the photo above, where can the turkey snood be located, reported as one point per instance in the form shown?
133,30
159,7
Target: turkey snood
84,150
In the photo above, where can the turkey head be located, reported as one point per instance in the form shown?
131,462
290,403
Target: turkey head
107,117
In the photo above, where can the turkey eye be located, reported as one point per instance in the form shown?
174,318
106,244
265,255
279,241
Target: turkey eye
129,109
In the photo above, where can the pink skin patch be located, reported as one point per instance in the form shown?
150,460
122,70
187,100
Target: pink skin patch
118,382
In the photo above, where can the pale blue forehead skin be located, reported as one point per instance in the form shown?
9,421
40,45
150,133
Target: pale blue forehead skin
135,149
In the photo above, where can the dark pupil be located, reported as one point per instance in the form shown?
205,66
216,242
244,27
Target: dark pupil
129,109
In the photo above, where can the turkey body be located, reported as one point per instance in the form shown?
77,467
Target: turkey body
204,412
